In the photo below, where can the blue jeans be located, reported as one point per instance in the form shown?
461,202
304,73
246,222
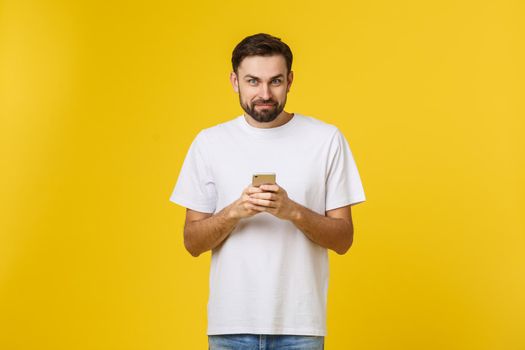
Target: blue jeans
265,342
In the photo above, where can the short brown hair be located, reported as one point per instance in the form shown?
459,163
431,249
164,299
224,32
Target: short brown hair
261,45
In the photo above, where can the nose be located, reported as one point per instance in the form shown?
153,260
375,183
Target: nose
265,92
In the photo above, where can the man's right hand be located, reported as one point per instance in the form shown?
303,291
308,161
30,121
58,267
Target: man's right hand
207,233
241,208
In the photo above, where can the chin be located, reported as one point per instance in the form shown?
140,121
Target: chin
264,119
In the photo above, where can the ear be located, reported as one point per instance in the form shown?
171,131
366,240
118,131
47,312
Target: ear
234,81
290,79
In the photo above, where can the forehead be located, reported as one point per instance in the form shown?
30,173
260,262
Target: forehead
262,66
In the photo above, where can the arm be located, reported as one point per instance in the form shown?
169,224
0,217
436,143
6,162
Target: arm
205,231
334,230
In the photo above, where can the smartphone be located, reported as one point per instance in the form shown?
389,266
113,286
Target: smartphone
263,178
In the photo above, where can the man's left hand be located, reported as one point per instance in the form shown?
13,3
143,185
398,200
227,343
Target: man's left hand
274,200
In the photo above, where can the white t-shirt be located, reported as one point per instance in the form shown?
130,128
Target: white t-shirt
267,277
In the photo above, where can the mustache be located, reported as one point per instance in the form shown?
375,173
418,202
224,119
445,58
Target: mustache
265,102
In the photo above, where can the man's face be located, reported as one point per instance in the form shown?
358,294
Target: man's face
262,85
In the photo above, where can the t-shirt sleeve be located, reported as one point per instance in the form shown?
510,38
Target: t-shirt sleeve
195,187
343,184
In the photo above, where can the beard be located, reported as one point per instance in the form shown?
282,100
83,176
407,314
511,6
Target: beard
263,115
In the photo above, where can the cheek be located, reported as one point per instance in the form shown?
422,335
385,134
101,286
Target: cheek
248,93
280,92
248,98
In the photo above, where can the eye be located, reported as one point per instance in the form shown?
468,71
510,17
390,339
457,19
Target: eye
252,81
276,81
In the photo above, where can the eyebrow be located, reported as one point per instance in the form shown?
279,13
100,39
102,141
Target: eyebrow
254,77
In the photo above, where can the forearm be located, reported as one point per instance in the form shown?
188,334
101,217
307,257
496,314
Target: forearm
203,235
332,233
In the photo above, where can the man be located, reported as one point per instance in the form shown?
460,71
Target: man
269,267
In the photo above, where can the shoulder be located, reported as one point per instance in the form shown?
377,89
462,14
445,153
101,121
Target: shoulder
215,132
317,127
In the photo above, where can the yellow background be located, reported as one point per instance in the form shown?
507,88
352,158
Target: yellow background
99,102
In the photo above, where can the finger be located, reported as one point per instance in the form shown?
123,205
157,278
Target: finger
257,207
262,202
253,189
270,188
264,195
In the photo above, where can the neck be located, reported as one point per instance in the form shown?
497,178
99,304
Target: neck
281,119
